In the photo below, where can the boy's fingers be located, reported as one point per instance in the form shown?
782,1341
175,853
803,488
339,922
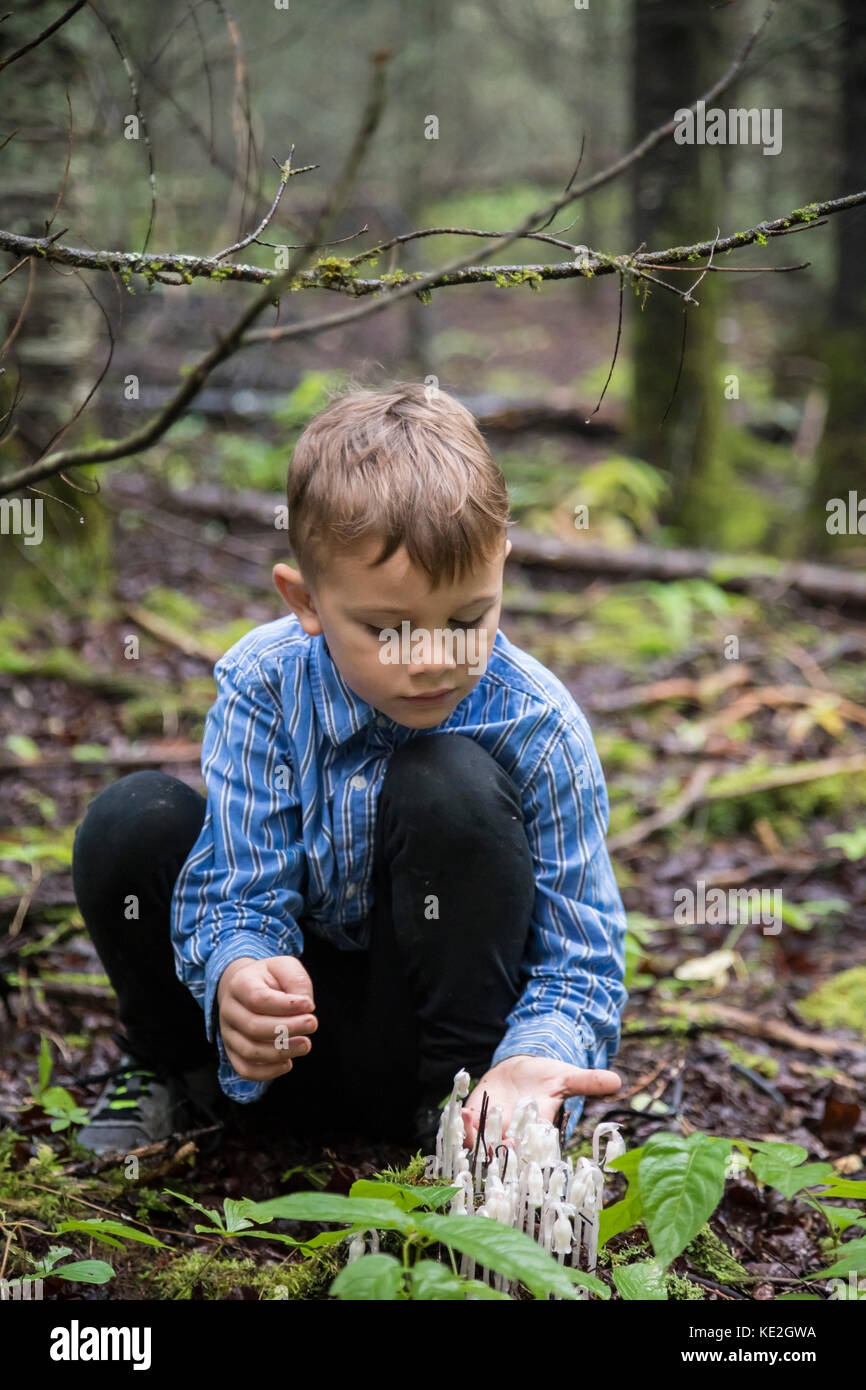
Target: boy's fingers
290,975
591,1081
261,1056
265,1028
261,998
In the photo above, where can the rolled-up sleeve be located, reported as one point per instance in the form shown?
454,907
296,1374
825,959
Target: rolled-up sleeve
241,889
571,1006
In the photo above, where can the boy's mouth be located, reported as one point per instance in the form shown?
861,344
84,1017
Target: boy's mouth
430,699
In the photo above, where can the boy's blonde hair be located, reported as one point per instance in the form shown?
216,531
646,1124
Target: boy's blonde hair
407,464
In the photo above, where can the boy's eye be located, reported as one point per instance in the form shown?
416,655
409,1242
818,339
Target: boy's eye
457,622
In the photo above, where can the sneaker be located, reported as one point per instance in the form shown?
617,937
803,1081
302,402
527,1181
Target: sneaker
140,1106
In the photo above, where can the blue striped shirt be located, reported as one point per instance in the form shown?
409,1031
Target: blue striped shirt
293,761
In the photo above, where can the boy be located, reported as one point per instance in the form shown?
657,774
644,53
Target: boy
400,868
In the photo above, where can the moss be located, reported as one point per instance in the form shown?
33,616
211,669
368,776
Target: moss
758,1061
712,1257
681,1288
334,270
839,1002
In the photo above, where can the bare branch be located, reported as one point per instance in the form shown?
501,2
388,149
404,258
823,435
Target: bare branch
230,342
139,115
40,38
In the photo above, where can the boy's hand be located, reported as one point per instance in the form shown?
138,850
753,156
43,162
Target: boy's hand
549,1081
265,1008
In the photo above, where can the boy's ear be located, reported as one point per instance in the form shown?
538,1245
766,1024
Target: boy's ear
290,584
507,548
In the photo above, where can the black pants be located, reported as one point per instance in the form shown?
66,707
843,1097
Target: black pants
453,890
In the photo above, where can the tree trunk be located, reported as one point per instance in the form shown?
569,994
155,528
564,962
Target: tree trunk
676,198
840,468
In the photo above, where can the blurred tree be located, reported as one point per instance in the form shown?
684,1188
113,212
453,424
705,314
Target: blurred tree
677,199
840,467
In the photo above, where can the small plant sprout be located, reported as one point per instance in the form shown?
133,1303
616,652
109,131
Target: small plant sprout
522,1180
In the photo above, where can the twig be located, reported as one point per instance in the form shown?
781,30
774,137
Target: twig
45,34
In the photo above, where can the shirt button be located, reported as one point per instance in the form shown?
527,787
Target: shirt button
380,719
358,783
351,890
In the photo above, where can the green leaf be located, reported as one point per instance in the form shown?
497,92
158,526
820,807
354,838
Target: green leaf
366,1212
785,1153
375,1277
237,1213
787,1178
507,1251
642,1281
476,1288
682,1180
404,1195
23,747
846,1187
44,1064
90,753
852,1256
85,1272
432,1280
323,1238
628,1212
47,1263
840,1218
213,1216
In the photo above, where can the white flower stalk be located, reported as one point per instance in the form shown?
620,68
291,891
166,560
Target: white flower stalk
357,1246
615,1149
493,1125
600,1132
580,1188
525,1112
457,1205
563,1233
521,1179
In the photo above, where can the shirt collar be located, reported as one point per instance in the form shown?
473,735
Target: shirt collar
341,712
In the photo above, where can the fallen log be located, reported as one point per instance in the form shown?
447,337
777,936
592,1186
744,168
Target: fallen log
738,573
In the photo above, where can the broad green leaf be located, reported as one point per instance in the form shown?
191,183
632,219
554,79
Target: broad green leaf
370,1277
798,1298
432,1280
845,1187
237,1213
476,1288
621,1216
852,1256
628,1212
404,1195
775,1148
332,1206
508,1251
85,1272
682,1179
787,1178
643,1281
841,1218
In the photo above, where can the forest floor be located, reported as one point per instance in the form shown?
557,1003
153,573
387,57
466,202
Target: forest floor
738,773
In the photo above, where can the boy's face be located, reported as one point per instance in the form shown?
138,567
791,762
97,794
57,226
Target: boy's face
444,646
